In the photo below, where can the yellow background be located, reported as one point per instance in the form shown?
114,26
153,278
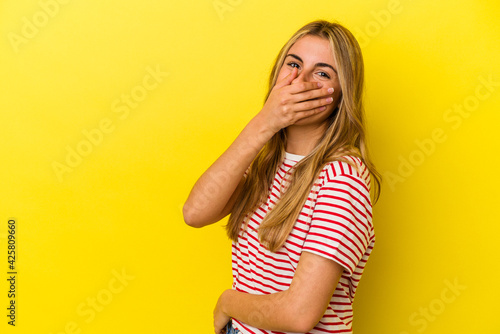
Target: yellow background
119,209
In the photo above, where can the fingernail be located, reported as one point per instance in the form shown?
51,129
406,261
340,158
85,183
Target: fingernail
330,90
320,84
323,108
330,99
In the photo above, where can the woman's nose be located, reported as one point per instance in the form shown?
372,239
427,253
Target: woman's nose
300,77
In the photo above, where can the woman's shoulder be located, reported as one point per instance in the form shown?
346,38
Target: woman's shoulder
348,167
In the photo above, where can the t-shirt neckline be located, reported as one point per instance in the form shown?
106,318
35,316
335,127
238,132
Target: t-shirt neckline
293,157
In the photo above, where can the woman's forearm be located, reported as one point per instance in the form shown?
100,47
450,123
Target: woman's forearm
214,188
274,311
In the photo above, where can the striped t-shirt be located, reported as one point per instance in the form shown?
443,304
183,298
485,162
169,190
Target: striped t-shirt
335,222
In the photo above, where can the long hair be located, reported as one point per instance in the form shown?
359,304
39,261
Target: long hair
345,135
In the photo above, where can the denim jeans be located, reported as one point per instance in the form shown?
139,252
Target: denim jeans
230,329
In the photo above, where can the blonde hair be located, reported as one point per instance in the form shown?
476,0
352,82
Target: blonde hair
345,135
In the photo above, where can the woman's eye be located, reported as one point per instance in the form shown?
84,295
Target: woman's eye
324,74
293,65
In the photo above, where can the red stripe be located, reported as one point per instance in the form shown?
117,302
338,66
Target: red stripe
329,245
344,192
347,210
342,207
330,222
251,288
260,284
245,327
262,255
362,184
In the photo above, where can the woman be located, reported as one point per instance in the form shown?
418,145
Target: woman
297,183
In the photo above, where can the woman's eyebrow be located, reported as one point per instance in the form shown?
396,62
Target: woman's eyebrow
317,64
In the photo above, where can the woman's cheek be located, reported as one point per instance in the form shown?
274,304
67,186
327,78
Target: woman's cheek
337,93
282,74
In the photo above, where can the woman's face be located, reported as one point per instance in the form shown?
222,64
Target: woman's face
314,59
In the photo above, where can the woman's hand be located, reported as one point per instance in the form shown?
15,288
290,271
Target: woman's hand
220,318
288,103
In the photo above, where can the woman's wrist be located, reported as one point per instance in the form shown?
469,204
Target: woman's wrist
261,130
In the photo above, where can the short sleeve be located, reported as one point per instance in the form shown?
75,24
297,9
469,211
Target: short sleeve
341,226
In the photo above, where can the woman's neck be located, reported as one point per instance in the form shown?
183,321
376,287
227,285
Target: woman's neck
302,139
